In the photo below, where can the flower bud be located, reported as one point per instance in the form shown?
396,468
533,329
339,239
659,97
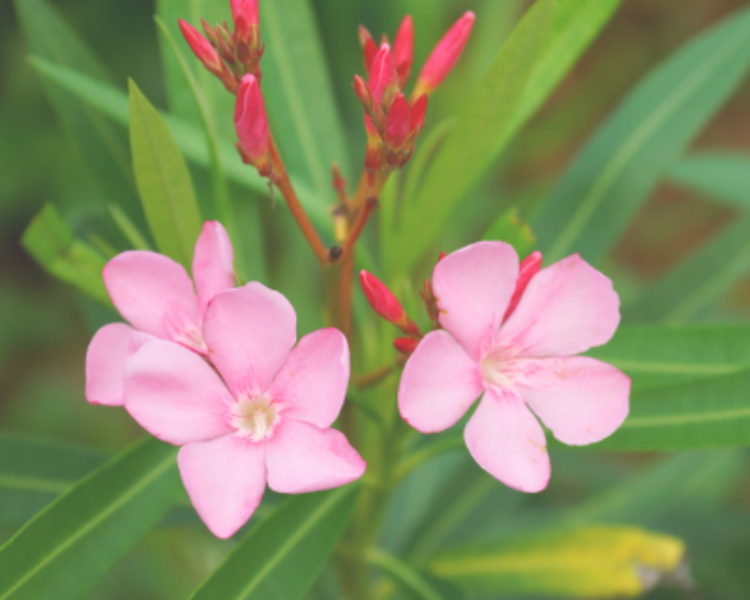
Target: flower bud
405,345
385,304
201,47
363,93
251,121
247,10
444,56
418,115
369,48
403,50
530,266
373,154
382,74
398,123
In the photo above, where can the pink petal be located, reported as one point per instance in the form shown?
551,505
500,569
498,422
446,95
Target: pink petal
250,332
152,292
473,287
508,442
213,268
175,395
439,384
225,479
567,308
304,458
105,362
312,383
580,399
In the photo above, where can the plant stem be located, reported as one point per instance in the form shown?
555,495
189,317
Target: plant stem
281,180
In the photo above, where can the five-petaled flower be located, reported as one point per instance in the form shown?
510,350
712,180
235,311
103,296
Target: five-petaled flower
261,414
520,361
156,296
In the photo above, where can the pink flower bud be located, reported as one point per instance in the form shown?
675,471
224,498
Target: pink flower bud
530,266
382,73
250,119
373,155
403,50
418,115
381,298
398,123
201,47
363,93
369,47
247,10
405,345
444,56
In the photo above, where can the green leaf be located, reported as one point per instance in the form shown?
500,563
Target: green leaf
128,228
112,102
616,171
699,282
299,95
281,557
590,562
102,149
529,66
509,228
163,181
658,356
79,537
723,176
54,247
416,584
33,472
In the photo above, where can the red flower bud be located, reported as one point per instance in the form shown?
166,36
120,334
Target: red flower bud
418,115
201,47
405,345
382,74
250,119
530,266
403,50
247,10
445,55
369,48
374,146
363,93
381,299
398,123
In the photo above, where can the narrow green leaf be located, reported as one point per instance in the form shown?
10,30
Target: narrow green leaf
416,584
113,103
511,229
627,157
664,355
591,562
54,247
102,149
128,228
699,282
539,53
723,176
80,536
281,557
163,181
299,95
33,472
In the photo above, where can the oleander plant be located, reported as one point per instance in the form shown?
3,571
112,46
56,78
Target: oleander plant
347,338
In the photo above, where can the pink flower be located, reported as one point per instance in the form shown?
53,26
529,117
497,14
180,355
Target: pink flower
262,416
521,365
445,56
403,50
250,119
156,296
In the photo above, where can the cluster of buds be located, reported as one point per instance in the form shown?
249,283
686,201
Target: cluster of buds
229,56
383,302
392,122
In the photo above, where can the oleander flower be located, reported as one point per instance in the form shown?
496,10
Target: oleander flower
156,296
261,414
522,362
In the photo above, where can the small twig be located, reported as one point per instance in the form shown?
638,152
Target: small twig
374,378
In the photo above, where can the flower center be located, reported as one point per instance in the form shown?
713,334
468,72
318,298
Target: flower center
497,369
255,417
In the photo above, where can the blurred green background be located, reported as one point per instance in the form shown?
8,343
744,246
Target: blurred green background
45,326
